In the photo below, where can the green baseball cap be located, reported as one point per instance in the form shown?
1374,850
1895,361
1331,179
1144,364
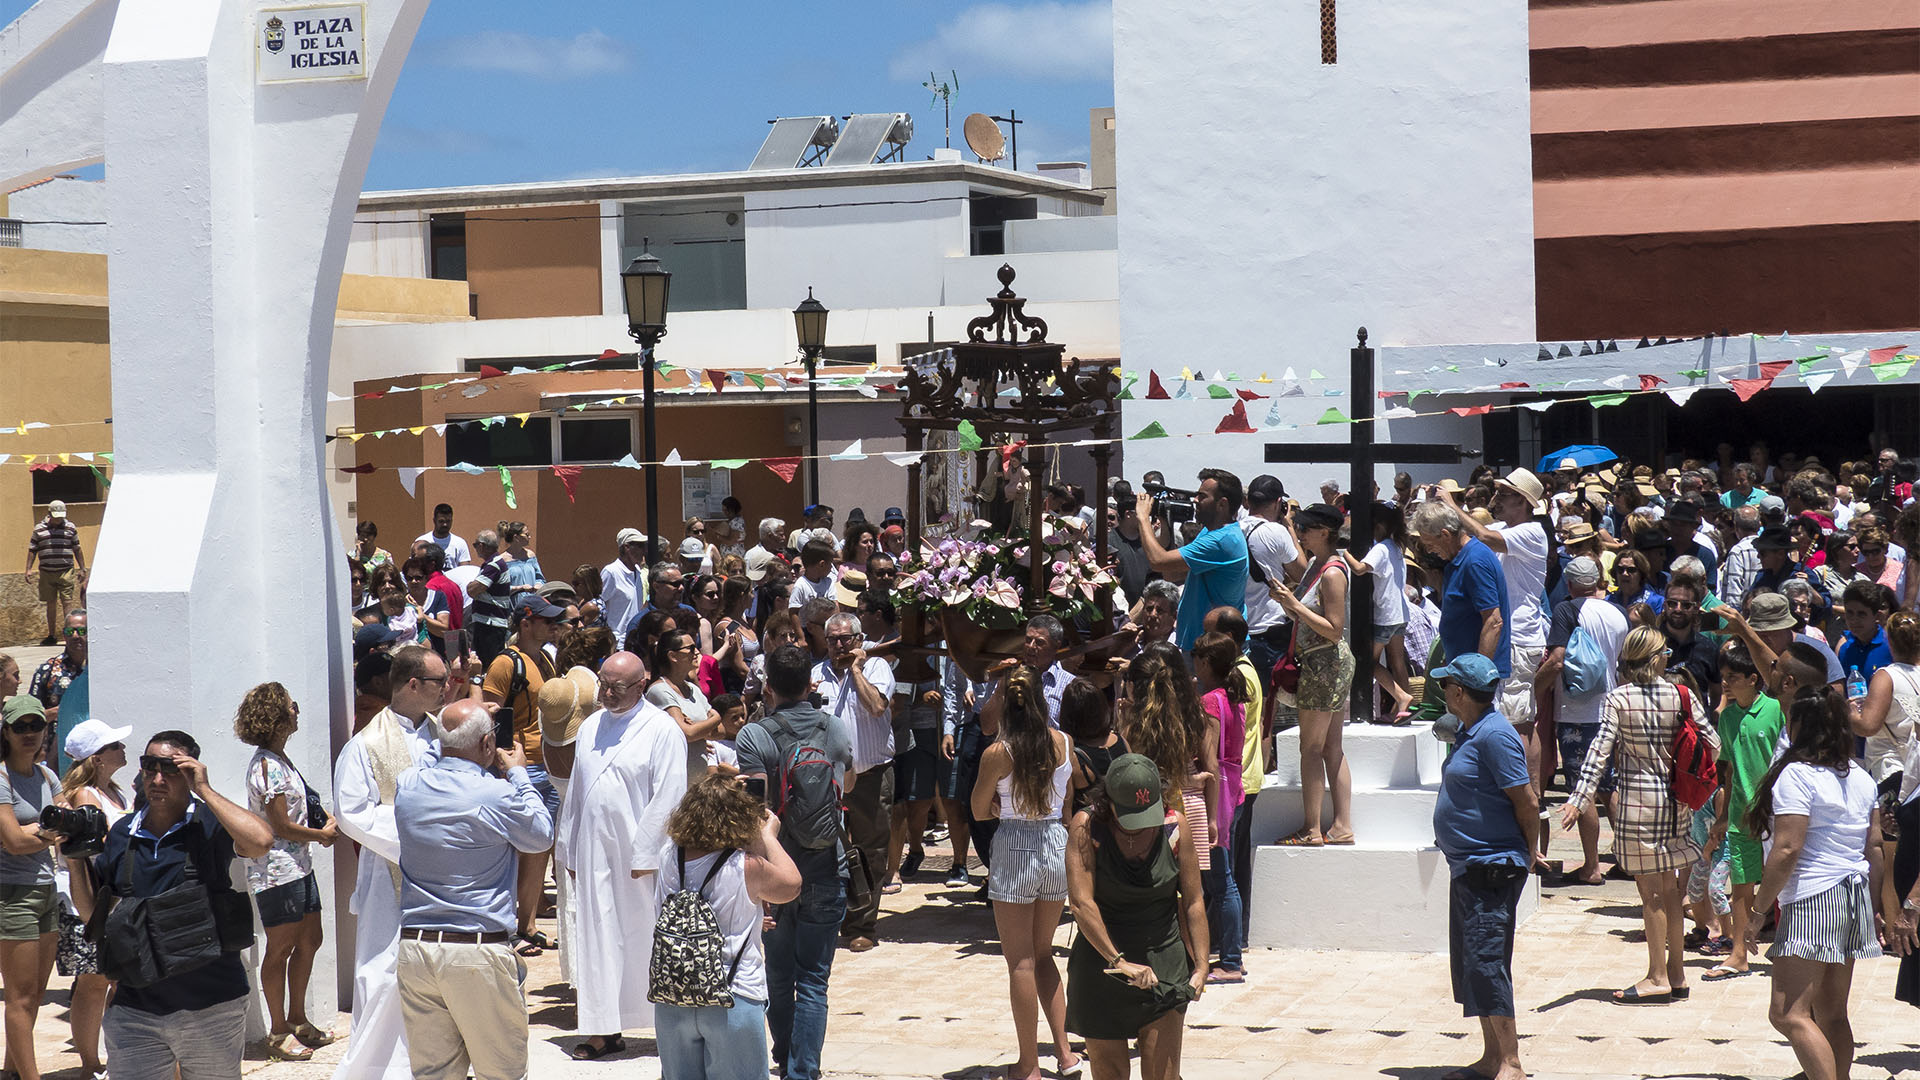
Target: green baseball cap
1133,787
20,707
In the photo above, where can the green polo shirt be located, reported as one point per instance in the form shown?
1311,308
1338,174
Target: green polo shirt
1747,739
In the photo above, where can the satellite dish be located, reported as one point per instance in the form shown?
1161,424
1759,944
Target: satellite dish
984,138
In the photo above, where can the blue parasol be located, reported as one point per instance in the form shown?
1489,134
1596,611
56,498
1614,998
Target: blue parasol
1582,456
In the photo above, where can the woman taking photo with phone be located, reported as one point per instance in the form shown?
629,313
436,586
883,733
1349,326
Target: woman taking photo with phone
1140,956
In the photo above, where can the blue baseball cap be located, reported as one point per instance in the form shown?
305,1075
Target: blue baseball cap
1471,670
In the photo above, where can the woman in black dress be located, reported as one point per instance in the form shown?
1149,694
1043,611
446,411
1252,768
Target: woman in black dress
1141,954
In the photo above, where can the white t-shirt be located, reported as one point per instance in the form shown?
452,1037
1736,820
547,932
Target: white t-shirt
1839,811
1525,563
1608,625
620,596
804,589
456,548
463,576
1389,568
733,908
1271,545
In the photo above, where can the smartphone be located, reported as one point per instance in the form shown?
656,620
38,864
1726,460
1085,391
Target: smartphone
756,787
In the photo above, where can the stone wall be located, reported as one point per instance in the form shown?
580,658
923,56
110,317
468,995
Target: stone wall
23,619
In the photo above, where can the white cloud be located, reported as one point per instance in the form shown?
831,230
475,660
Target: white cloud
583,55
1049,40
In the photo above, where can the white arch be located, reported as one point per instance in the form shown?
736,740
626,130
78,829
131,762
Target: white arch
229,208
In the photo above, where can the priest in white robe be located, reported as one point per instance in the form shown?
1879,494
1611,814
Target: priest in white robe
364,777
629,772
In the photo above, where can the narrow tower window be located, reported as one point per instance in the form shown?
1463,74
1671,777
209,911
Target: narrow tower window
1329,42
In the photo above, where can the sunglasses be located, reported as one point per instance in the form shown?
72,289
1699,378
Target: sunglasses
837,638
153,764
76,631
29,727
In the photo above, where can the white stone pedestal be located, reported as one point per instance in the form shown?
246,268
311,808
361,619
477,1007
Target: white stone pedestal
1388,892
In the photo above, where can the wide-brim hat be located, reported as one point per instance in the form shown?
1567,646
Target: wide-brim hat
1578,533
1523,483
1773,538
1770,611
849,586
564,702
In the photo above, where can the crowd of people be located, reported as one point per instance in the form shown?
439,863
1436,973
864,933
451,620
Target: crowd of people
720,764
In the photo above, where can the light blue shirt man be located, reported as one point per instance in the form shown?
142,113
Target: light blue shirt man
460,827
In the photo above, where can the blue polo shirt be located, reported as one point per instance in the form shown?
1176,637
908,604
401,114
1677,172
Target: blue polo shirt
159,864
1216,577
1473,819
1868,657
1475,583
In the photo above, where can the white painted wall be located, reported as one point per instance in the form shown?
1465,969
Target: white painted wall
854,247
1275,204
61,199
51,89
1045,278
389,243
1096,233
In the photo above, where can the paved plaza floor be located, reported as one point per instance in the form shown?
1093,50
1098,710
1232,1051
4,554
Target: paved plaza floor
930,1002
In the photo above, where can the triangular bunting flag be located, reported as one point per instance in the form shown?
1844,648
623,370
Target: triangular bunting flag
506,489
1183,394
1513,386
673,458
1292,388
728,463
1679,395
1313,375
466,467
1235,422
1820,379
1186,374
1850,362
903,459
1648,382
1273,416
1398,412
488,371
1694,373
1600,401
1333,393
626,462
718,379
1881,356
1537,406
1151,431
783,467
1618,382
1155,392
1219,376
1892,369
1333,416
1248,395
1216,391
759,381
1472,410
1264,378
408,478
851,453
969,438
569,477
1772,368
1746,388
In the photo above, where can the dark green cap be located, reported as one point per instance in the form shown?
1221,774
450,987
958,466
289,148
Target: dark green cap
1133,787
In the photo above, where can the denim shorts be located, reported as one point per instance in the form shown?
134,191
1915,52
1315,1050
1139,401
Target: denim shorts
1575,741
1384,633
1029,862
537,775
288,903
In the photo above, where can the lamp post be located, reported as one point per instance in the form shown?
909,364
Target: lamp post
644,287
810,326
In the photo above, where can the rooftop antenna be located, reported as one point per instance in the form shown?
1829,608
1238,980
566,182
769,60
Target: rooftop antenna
943,94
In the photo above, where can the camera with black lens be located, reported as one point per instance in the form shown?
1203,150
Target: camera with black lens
84,829
1173,504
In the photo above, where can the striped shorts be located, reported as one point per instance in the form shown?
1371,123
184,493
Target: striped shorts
1832,927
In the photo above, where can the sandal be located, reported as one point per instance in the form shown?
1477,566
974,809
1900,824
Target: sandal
311,1036
278,1050
1343,842
891,887
586,1051
1721,973
529,945
1717,946
1632,996
1303,838
1225,976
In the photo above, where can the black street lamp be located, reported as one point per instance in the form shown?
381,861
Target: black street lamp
644,287
810,326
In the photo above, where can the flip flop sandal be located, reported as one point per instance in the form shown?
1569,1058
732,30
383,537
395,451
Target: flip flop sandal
891,887
1331,842
528,946
1225,977
1303,838
1715,947
1722,973
540,938
278,1050
313,1036
586,1051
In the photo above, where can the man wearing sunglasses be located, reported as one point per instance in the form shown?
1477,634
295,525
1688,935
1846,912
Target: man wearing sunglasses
51,679
366,776
858,689
195,1020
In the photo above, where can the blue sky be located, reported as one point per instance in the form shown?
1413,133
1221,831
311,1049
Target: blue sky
499,91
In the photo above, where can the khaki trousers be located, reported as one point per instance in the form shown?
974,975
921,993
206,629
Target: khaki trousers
463,1004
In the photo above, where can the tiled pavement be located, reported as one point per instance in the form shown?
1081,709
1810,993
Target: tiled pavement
931,1002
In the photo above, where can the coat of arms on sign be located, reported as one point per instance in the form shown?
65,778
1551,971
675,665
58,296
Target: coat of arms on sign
276,35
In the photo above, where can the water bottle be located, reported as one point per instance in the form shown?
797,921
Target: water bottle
1856,685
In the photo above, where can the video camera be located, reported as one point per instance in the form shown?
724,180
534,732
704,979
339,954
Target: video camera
85,829
1173,504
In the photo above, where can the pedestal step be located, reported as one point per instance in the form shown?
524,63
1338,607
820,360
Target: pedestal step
1367,898
1379,757
1400,818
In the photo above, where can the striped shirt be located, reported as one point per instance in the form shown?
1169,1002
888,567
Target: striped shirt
871,733
493,607
56,544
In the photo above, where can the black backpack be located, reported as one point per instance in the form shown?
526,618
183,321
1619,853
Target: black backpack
146,939
807,792
689,966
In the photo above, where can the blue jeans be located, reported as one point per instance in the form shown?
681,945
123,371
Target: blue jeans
1223,906
712,1043
1242,871
799,960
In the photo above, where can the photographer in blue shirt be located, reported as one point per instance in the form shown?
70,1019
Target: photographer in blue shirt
1213,566
1486,822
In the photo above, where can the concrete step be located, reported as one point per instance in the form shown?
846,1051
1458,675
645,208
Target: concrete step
1378,756
1395,817
1367,898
